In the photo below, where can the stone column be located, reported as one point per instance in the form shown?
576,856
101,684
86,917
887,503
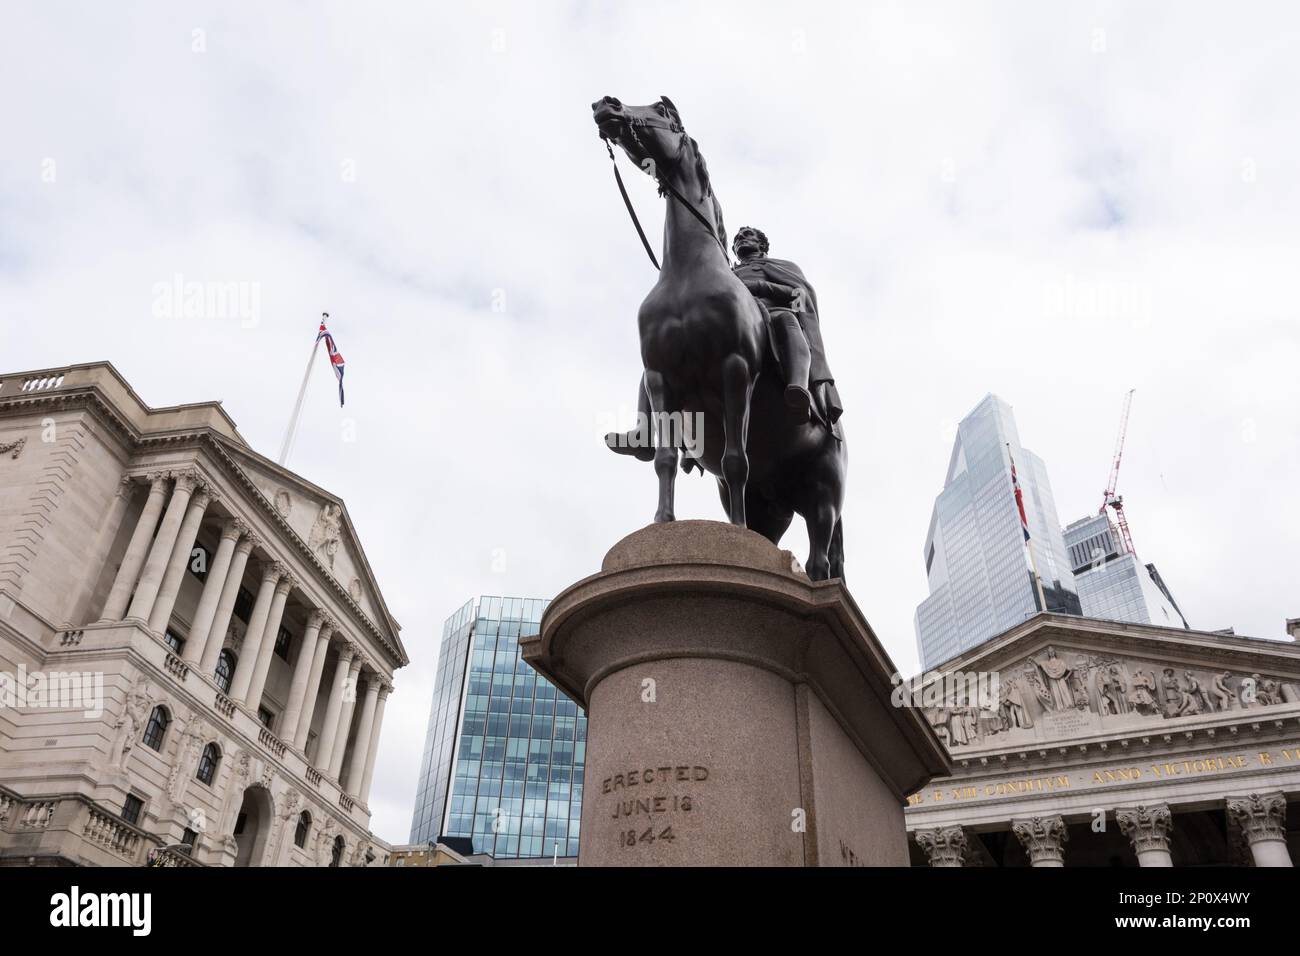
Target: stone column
146,591
133,560
330,728
267,649
1262,818
216,580
321,648
361,752
1148,829
216,636
178,563
1043,839
372,749
249,653
301,671
345,721
943,846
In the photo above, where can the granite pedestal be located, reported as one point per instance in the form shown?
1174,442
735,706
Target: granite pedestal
737,712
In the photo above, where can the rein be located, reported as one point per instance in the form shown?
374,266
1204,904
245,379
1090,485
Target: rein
664,185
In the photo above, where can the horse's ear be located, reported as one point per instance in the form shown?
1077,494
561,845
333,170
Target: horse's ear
669,103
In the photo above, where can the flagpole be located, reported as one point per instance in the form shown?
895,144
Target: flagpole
1033,560
1033,563
297,406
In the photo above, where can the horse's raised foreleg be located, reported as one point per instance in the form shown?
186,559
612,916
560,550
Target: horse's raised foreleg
737,389
662,407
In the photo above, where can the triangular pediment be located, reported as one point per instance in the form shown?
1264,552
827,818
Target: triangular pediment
320,521
1056,678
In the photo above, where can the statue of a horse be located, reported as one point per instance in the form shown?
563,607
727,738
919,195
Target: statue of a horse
705,351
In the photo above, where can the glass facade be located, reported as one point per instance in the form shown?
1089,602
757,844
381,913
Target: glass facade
504,750
1112,584
977,564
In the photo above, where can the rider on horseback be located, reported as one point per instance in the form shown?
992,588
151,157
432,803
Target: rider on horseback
793,333
792,328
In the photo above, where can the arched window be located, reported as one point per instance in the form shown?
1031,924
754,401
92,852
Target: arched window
304,828
207,771
225,670
336,855
156,729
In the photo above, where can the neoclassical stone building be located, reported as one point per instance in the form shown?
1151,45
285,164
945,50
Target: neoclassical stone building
194,654
1108,743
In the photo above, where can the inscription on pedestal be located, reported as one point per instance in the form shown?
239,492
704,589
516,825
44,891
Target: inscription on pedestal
649,801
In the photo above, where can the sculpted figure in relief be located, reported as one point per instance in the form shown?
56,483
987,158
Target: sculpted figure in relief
1111,690
327,533
1221,694
1143,694
1056,676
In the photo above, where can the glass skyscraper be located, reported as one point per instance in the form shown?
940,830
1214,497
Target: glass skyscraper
504,750
976,561
1112,583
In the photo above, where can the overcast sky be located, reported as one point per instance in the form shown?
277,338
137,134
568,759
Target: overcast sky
1055,202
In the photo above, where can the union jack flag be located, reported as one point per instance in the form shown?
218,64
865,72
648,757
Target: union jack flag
1020,498
336,357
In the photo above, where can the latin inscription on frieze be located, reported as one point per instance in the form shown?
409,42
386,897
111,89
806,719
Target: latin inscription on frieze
1149,772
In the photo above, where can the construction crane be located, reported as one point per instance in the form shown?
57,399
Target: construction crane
1109,498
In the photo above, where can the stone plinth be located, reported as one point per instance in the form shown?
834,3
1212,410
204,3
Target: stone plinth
737,712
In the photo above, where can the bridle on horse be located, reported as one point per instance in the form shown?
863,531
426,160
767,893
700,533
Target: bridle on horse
664,186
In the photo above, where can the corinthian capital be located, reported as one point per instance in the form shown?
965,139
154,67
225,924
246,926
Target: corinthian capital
1261,816
186,479
943,846
1147,827
1043,838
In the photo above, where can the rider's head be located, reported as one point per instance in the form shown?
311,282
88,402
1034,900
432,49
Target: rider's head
749,242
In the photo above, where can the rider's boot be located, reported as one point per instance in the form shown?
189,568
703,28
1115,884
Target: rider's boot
630,443
796,360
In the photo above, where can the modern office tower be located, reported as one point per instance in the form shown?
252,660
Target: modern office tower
504,751
1111,582
976,561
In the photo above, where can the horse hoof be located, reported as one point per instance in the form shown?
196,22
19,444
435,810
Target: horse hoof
664,516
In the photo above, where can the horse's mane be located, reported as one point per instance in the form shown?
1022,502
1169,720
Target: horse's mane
706,188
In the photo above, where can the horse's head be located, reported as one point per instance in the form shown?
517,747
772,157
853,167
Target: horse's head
652,136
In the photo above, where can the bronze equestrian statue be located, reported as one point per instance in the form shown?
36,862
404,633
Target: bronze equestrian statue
709,348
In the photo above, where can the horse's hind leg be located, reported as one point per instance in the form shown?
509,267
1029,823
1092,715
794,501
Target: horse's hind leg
737,389
665,443
822,523
836,554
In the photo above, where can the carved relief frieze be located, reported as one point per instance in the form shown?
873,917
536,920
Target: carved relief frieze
1058,692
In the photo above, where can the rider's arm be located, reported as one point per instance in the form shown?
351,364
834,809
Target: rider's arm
771,291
